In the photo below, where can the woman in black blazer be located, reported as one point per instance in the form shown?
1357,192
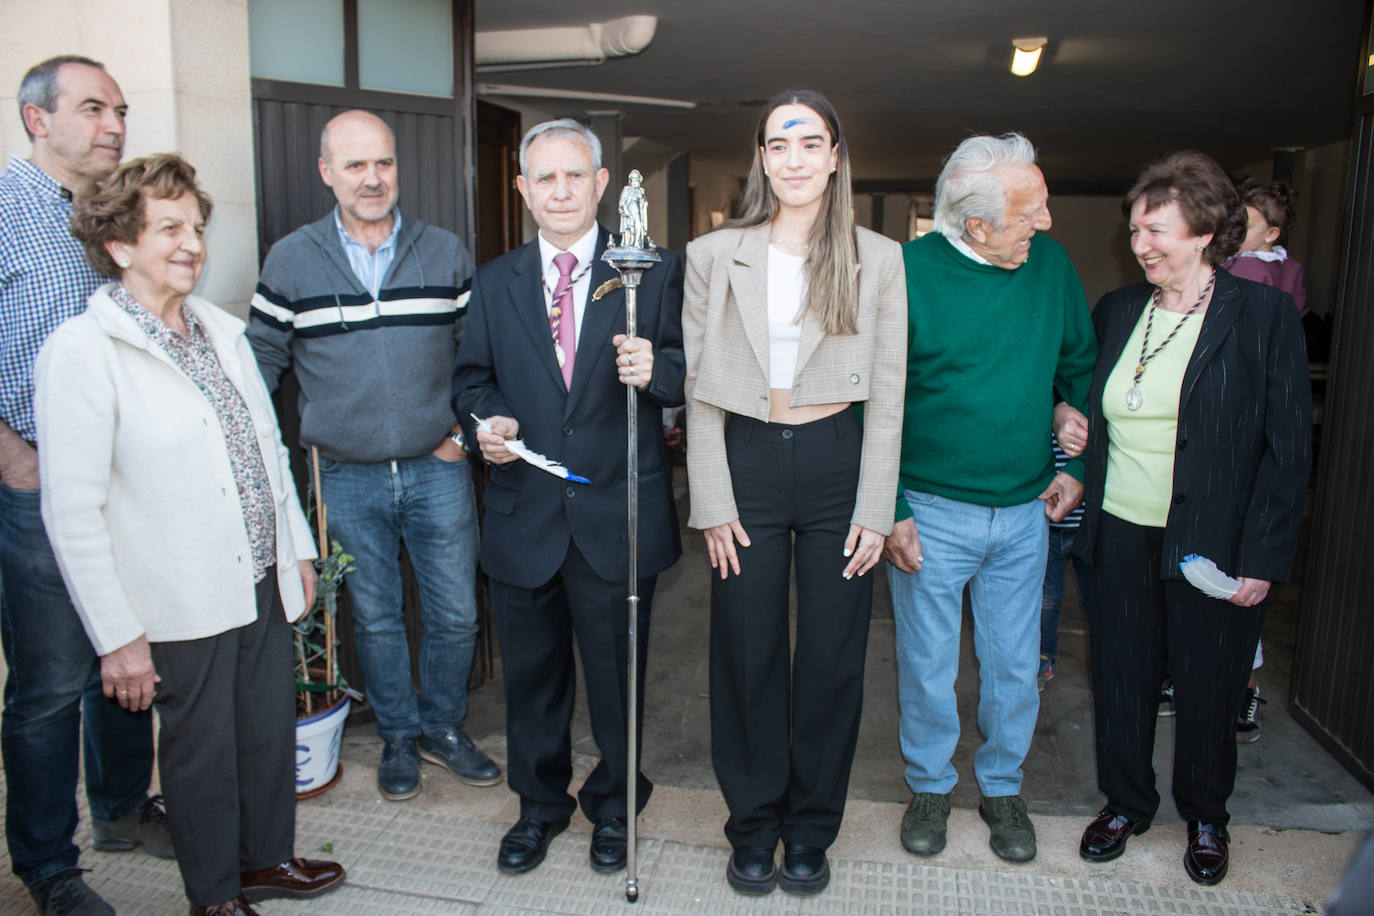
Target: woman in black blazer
1199,432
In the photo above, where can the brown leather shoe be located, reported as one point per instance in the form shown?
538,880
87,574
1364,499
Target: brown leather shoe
295,878
1206,857
236,907
1105,838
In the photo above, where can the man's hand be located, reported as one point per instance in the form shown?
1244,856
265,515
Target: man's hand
309,579
635,359
903,547
1251,593
18,461
493,444
1071,429
1061,496
449,450
127,675
720,546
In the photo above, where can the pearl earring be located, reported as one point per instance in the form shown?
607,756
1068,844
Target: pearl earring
123,263
1198,247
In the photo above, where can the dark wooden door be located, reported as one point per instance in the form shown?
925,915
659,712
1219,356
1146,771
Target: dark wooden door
499,210
1333,681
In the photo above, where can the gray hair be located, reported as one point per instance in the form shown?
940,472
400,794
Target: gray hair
39,85
969,187
563,127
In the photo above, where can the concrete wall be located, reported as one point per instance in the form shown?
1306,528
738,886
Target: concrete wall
183,68
1093,232
715,183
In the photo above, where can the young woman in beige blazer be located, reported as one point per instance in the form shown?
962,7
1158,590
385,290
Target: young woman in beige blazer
792,316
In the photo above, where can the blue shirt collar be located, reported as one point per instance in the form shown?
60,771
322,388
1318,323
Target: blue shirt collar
345,239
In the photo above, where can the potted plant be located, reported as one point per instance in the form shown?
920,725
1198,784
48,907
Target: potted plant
322,697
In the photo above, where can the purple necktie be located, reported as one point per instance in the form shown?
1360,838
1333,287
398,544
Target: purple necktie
561,321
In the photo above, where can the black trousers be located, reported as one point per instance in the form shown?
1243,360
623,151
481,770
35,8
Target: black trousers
536,627
1139,627
226,749
783,735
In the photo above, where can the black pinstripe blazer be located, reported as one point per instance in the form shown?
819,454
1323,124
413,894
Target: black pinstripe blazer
1243,451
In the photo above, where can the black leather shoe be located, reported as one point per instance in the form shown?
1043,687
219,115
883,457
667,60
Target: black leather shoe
398,775
1206,857
1105,838
752,871
607,851
804,869
524,845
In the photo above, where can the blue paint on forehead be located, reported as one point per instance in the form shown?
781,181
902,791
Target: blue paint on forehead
788,125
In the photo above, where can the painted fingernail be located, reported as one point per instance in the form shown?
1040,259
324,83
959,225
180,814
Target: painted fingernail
848,552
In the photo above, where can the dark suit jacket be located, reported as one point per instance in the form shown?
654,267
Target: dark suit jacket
1242,455
506,366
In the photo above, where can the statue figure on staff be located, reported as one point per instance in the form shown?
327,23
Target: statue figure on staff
634,218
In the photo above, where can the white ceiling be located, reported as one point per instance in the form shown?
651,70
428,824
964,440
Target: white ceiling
1119,84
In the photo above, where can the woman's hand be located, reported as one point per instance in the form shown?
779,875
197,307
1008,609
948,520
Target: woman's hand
720,546
864,549
1252,592
127,675
309,578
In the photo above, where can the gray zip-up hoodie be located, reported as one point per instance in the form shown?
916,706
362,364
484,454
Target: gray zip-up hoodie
375,374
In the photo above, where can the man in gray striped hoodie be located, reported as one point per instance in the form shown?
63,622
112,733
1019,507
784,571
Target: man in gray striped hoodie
368,306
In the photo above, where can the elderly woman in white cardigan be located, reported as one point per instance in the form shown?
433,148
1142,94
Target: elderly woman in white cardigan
169,503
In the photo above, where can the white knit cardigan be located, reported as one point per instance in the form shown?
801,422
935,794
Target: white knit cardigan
138,496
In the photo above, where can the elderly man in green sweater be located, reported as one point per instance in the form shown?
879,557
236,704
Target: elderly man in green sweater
997,324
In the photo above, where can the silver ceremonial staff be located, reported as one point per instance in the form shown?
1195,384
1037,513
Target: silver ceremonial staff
634,255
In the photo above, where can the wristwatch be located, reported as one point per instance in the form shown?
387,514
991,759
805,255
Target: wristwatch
456,437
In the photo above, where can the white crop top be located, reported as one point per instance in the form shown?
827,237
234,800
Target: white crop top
786,289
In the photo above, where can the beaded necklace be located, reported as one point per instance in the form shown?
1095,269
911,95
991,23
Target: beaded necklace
556,308
1135,398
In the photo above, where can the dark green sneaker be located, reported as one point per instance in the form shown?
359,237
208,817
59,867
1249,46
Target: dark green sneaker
923,824
1013,835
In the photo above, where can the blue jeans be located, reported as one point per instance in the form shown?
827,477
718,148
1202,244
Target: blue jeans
429,504
1052,594
1000,554
52,691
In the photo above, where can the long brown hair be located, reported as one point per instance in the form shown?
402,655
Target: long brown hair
832,260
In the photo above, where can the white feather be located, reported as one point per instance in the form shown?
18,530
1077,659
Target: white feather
524,453
1206,578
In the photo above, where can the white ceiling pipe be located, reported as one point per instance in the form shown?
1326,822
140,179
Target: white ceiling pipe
547,92
593,42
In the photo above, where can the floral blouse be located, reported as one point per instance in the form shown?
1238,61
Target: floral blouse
194,355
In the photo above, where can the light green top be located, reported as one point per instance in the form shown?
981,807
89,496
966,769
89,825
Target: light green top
1140,443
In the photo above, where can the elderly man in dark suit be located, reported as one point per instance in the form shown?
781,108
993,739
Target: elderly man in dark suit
542,360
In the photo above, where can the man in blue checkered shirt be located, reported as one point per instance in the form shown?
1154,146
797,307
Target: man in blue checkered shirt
74,114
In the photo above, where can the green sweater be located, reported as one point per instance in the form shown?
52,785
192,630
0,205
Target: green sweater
986,349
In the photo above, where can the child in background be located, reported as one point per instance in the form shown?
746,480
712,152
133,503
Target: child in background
1269,209
1052,591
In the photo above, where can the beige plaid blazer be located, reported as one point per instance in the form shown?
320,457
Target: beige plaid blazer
725,333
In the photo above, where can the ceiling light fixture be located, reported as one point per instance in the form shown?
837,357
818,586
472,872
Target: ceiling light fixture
1025,55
